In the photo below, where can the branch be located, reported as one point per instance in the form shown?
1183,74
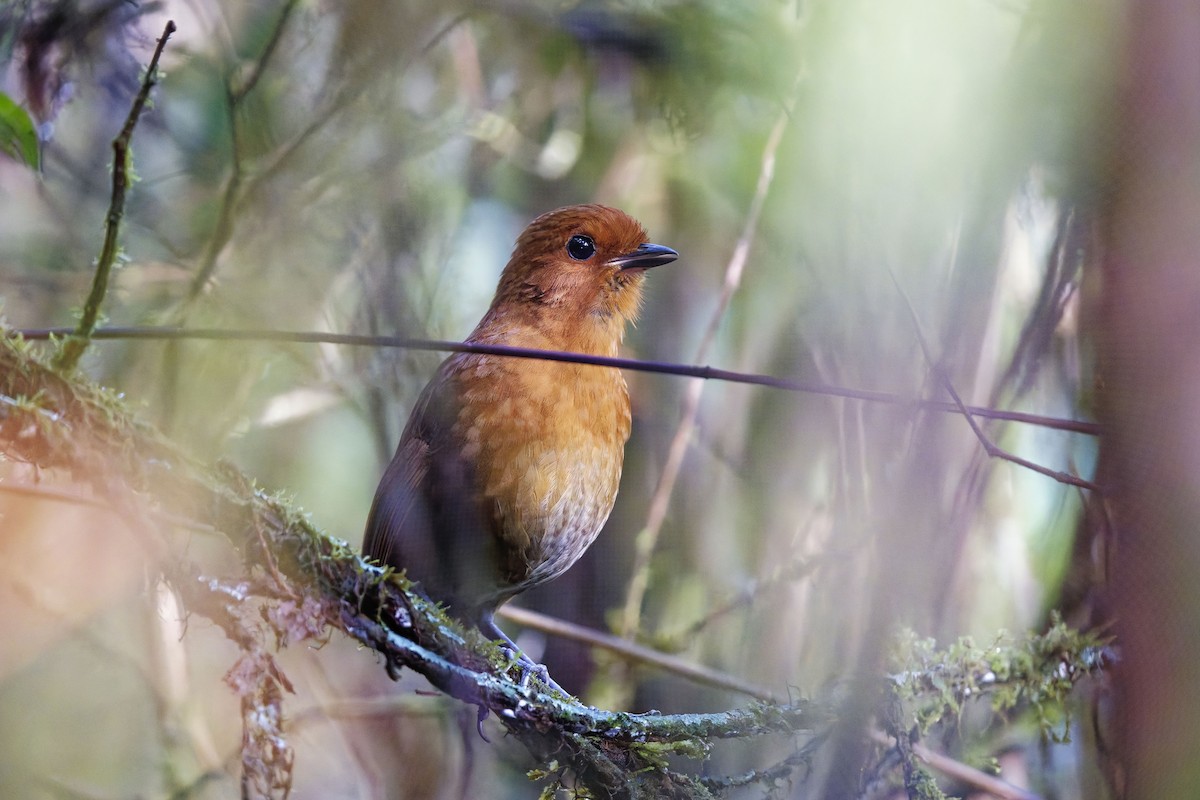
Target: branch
959,771
75,345
989,447
303,582
631,651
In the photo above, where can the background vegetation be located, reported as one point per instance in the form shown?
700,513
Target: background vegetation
843,180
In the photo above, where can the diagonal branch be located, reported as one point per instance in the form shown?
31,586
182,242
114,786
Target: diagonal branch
631,651
989,447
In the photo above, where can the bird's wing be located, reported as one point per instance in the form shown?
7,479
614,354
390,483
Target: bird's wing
398,496
428,517
401,516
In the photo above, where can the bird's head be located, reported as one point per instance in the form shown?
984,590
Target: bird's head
576,276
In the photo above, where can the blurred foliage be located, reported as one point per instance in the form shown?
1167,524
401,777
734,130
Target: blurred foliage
359,167
18,139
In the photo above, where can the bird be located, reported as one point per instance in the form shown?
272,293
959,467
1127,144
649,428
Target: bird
508,468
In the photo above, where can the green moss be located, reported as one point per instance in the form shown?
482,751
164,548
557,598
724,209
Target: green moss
922,785
1035,674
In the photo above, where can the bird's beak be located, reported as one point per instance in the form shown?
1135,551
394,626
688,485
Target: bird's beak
645,257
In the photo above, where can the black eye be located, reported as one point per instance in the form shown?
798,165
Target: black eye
581,247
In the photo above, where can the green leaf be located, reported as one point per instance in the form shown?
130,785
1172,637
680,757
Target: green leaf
18,136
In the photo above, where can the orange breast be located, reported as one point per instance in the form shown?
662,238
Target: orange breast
548,443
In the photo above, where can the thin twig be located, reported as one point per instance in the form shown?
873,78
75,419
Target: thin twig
75,345
989,447
247,185
390,706
790,574
772,776
49,494
647,539
235,94
960,771
53,495
238,93
659,367
632,651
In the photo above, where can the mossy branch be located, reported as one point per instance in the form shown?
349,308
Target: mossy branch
308,582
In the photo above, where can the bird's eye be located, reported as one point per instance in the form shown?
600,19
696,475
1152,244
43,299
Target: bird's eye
581,247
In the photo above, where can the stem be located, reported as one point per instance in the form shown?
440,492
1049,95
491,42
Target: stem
75,345
647,538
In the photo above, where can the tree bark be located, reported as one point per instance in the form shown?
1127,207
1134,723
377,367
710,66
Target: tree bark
1149,347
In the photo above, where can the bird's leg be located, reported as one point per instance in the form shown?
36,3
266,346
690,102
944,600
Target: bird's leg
487,625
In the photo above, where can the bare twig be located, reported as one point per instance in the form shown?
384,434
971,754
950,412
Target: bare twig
635,652
960,771
647,539
235,94
75,344
660,367
791,573
45,493
989,447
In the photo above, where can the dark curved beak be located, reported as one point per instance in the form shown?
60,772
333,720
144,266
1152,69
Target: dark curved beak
645,257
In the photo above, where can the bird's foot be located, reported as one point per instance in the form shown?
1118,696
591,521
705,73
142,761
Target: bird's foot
531,669
526,665
528,669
